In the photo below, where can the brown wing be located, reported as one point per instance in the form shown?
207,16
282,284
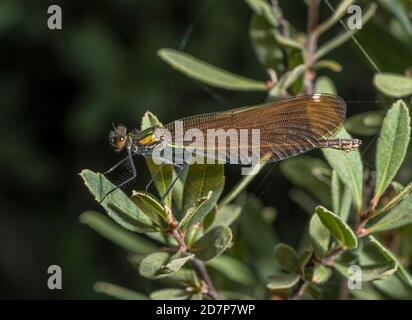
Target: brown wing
287,128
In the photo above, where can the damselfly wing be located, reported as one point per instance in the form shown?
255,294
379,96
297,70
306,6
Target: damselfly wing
287,128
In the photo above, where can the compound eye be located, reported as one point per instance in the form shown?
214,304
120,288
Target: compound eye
120,142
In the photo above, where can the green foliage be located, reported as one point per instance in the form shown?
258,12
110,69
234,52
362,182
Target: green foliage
213,243
338,228
393,85
392,145
320,236
349,168
207,73
118,292
193,228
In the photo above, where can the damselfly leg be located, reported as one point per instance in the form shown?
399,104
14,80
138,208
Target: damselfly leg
169,189
131,166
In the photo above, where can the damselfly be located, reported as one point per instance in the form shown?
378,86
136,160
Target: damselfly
286,128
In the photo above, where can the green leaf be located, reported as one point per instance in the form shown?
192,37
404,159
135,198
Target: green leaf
162,174
339,229
400,12
160,264
207,73
226,215
346,204
369,273
335,191
308,173
395,200
328,64
392,145
344,36
149,120
112,231
183,276
262,35
283,281
152,208
319,274
231,295
239,187
304,258
262,8
287,258
393,85
349,168
194,214
365,124
394,288
325,85
212,243
118,292
319,236
341,201
398,217
303,200
288,80
232,269
117,205
170,294
389,256
337,15
200,180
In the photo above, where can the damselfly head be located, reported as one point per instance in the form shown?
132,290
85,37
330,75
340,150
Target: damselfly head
118,138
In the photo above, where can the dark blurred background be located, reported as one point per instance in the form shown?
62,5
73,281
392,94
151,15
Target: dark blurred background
60,90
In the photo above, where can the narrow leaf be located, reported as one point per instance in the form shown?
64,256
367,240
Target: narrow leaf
393,85
283,281
319,235
152,208
339,229
266,49
194,214
308,172
226,215
262,8
395,200
160,264
365,124
371,272
335,192
287,258
213,243
118,292
200,180
170,294
396,218
392,145
207,73
349,168
389,256
112,231
162,174
232,269
117,205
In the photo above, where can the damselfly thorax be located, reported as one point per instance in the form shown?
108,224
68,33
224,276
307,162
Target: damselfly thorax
285,129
